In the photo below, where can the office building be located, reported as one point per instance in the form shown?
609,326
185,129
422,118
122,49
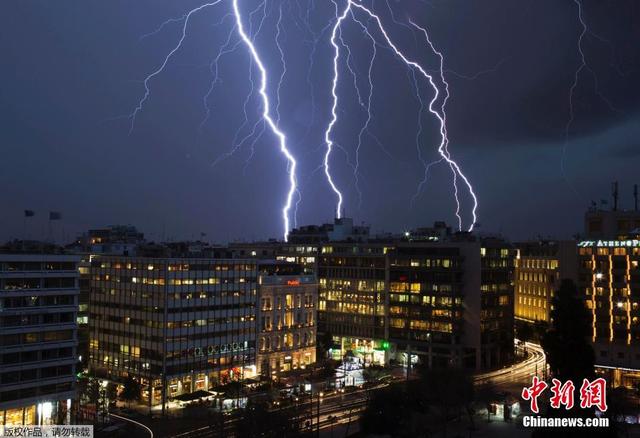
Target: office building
286,319
540,267
601,223
609,279
176,325
428,295
38,340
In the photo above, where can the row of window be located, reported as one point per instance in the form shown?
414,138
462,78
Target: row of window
37,266
28,375
24,357
36,337
287,341
172,267
43,301
36,319
38,283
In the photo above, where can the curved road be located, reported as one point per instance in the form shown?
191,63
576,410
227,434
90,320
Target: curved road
133,422
340,409
519,373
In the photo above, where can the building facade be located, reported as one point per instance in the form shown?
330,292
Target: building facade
428,295
606,224
286,321
609,278
540,267
442,301
176,325
39,337
353,298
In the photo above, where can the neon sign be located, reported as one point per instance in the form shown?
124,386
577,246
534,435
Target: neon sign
609,243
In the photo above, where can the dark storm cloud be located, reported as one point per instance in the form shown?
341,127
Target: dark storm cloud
528,97
72,66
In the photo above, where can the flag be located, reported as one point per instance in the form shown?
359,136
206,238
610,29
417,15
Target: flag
29,213
54,215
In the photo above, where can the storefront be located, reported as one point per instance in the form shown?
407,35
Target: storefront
44,413
363,352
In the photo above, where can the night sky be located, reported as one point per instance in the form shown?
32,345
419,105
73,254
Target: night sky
71,69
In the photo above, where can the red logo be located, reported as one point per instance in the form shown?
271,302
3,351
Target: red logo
592,394
533,392
562,394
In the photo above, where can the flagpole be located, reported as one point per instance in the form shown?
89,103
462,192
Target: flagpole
24,230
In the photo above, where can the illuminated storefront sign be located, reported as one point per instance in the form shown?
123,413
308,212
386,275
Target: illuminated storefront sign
630,243
293,282
216,349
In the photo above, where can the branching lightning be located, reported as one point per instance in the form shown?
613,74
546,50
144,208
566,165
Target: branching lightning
256,60
160,69
582,66
266,114
241,35
439,113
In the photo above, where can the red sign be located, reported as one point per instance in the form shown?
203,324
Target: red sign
293,282
592,394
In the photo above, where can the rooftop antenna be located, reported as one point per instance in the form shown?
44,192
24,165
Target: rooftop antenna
635,197
615,196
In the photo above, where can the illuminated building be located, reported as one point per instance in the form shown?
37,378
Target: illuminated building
177,325
286,319
609,277
540,267
439,298
38,340
122,240
353,298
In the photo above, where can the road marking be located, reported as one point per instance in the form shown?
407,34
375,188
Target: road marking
134,422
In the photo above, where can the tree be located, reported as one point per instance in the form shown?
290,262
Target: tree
569,351
328,369
323,344
91,393
524,331
374,373
258,421
111,393
390,411
131,390
406,410
570,356
448,390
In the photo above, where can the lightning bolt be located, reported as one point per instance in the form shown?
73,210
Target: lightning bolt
582,66
160,69
270,108
266,114
365,126
443,150
255,59
334,116
439,113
